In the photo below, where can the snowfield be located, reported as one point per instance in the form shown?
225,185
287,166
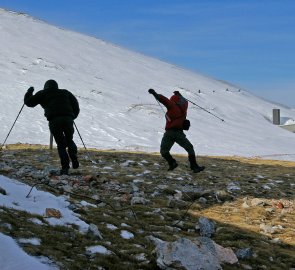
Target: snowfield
111,84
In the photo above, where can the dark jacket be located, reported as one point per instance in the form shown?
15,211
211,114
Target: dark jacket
176,111
55,102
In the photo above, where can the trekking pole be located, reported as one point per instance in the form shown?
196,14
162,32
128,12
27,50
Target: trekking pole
12,127
84,144
204,109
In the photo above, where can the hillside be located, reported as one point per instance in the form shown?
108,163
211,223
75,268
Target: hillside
111,85
134,200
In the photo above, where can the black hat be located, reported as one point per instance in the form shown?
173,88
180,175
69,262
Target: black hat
51,84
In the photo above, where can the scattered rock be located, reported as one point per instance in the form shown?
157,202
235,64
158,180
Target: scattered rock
245,205
202,200
269,229
225,255
93,232
207,227
258,202
200,253
138,200
280,205
67,188
223,195
177,195
3,191
89,178
270,210
51,212
173,203
190,195
276,241
5,168
244,253
233,187
141,257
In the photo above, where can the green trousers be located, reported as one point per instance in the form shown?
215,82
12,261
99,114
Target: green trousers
175,136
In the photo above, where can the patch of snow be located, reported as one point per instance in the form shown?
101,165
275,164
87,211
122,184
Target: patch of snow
112,227
98,249
84,203
125,225
126,235
12,257
32,241
38,202
36,221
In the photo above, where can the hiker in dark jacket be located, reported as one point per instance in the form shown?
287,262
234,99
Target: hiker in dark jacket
60,108
176,114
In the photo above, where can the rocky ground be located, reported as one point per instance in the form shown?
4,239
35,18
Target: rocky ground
238,213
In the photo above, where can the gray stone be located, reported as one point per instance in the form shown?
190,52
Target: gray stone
72,207
199,253
140,257
269,229
135,188
173,203
202,200
3,191
138,200
93,232
223,195
67,188
244,253
207,227
5,168
257,202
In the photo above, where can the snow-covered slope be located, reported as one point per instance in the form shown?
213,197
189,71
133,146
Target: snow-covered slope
111,85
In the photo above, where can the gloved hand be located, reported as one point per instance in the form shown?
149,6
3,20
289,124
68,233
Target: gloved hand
31,90
152,91
176,93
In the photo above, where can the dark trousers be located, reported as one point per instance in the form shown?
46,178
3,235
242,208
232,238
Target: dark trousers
62,129
175,136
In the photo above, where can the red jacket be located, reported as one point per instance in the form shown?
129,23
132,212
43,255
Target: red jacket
176,111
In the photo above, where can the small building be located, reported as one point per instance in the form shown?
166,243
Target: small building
276,119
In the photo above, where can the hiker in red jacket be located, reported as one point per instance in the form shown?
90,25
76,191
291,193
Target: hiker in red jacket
175,117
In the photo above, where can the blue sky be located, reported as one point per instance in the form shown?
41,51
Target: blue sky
250,43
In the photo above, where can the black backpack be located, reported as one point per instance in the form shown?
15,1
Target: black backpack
186,124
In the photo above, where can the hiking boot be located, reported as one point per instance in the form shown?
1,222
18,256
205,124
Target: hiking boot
194,165
75,163
171,161
172,165
198,169
64,172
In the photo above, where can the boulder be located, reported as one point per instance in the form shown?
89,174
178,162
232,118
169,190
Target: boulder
196,254
207,227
